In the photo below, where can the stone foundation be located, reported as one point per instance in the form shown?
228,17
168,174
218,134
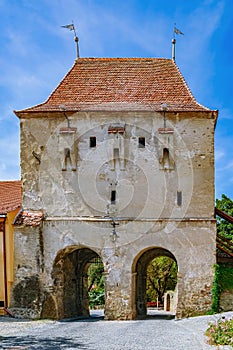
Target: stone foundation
117,306
196,297
53,282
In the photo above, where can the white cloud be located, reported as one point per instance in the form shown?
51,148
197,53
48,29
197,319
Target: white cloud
9,156
228,166
226,113
194,50
219,154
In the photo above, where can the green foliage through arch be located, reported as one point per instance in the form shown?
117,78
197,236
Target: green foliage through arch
161,276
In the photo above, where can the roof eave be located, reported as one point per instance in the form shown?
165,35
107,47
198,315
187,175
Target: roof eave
45,113
5,211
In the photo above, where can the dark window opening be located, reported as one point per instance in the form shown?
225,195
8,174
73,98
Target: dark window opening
116,153
179,198
2,304
92,141
166,160
113,197
165,153
141,142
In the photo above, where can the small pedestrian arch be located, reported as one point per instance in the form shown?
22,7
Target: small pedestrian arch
139,273
70,278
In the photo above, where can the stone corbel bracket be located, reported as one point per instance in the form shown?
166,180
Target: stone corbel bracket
67,147
166,148
116,148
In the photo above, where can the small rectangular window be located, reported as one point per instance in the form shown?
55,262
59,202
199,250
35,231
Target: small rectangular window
116,153
92,141
141,142
113,197
179,198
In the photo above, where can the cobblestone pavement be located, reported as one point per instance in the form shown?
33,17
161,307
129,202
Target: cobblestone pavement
96,334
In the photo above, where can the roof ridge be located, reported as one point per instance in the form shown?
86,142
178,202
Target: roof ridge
122,59
1,181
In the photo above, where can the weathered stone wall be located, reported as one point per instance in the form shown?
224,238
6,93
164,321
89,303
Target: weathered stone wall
195,259
79,209
226,300
28,271
87,191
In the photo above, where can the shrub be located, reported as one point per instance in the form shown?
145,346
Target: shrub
220,332
223,280
216,291
96,297
226,277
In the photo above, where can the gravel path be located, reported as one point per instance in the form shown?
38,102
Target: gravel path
97,334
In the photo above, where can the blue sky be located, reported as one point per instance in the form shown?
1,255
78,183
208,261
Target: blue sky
36,53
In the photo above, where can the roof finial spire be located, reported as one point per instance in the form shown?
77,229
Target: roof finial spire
175,31
173,49
72,27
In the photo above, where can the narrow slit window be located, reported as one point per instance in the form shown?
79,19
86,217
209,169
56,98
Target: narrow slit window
179,198
92,141
141,142
116,153
113,197
166,160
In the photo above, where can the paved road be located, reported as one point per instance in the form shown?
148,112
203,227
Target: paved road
97,334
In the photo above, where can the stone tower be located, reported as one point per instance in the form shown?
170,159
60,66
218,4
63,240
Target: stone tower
117,164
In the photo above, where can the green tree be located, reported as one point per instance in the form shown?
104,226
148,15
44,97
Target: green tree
161,276
96,284
224,227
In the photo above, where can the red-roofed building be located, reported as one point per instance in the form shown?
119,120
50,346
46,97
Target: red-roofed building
10,203
120,84
117,165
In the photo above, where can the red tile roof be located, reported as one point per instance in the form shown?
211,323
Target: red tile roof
121,84
10,196
29,218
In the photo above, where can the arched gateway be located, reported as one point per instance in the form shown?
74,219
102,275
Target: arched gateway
139,271
70,284
118,159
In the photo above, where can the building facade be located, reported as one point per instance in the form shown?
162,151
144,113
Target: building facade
10,202
117,164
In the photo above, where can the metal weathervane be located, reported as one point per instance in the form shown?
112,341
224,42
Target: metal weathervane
72,27
176,31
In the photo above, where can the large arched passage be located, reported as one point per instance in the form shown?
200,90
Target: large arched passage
70,277
139,273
